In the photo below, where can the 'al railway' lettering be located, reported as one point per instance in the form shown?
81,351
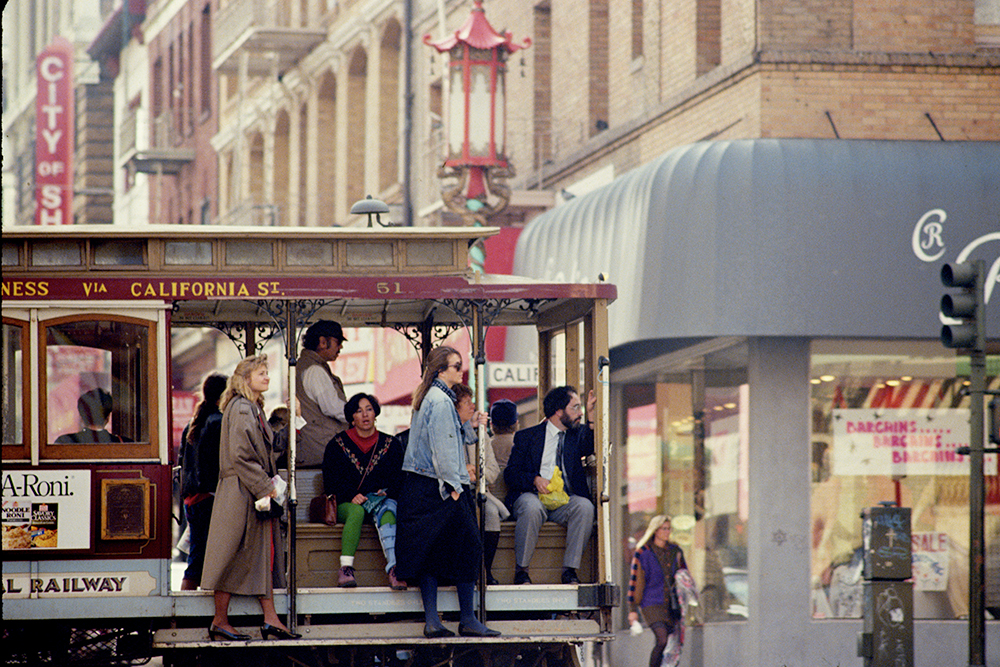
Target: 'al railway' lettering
71,585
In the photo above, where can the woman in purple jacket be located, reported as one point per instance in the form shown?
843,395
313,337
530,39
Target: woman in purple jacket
653,589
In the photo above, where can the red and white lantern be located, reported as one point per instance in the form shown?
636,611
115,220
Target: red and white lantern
477,114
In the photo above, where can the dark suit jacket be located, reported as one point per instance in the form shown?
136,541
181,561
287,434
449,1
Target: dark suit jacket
526,460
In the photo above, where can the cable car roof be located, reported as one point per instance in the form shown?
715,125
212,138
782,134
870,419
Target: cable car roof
210,274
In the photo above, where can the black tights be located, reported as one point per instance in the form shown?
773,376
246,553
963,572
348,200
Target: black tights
660,633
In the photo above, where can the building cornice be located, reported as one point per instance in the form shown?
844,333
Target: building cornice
765,60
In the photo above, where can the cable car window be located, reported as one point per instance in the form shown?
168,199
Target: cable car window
13,390
55,253
182,253
97,382
369,254
249,253
118,253
308,253
429,253
11,254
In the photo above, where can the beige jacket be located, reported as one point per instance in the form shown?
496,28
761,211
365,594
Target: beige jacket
238,554
320,428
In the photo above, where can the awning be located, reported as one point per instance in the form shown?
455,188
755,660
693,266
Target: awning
779,237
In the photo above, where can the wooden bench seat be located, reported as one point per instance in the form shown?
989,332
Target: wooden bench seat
318,549
318,556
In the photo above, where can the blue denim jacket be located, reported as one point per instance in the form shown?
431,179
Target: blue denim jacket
437,443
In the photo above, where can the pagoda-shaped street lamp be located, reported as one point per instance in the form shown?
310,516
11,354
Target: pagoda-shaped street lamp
477,163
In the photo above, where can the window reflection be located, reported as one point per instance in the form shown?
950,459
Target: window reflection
686,456
887,420
13,385
96,384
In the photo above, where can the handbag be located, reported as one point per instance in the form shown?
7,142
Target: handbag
275,511
323,509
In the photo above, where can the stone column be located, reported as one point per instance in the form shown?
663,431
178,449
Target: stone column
373,113
347,130
778,535
312,159
292,207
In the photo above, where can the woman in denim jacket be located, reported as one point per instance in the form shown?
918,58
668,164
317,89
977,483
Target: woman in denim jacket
437,535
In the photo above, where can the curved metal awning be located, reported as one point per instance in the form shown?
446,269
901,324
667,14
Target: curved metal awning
779,237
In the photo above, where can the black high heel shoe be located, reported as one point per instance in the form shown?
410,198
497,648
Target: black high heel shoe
267,630
225,635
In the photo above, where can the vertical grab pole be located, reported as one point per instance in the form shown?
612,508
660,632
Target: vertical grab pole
479,348
292,587
604,376
598,350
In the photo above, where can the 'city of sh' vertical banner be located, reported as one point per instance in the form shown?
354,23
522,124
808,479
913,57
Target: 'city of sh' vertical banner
54,135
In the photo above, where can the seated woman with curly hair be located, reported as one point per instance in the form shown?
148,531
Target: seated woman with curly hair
363,468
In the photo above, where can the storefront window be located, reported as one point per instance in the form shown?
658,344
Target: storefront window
887,420
686,456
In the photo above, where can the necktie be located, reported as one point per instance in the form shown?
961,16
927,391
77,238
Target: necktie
561,461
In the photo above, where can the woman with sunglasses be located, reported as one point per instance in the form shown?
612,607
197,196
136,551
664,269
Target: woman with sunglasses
437,536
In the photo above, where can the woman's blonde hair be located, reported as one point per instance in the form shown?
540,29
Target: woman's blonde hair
437,361
239,381
654,524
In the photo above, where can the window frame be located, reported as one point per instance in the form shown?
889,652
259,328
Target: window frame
49,451
22,452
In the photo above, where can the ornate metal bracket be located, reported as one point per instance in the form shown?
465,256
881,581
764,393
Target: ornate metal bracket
302,310
234,331
435,333
498,192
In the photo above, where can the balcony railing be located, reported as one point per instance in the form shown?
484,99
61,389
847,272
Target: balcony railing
162,152
268,30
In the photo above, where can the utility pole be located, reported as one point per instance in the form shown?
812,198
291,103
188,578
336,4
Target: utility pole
969,307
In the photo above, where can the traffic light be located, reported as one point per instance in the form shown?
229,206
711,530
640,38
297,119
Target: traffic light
966,306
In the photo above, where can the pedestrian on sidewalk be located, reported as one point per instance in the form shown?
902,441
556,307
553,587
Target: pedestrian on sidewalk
660,585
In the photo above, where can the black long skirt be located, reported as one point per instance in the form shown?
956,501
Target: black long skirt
436,537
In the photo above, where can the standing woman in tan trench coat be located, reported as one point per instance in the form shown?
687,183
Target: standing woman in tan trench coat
244,555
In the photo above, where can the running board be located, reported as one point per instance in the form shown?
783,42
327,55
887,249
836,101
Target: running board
555,598
402,633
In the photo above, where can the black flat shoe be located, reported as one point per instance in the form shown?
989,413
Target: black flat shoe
437,633
225,635
474,632
267,631
569,576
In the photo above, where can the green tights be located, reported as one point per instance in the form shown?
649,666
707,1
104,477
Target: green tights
352,516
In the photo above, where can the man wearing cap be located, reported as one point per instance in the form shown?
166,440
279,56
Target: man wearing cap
320,392
503,421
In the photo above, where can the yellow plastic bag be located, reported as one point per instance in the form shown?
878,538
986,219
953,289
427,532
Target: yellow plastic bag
557,496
